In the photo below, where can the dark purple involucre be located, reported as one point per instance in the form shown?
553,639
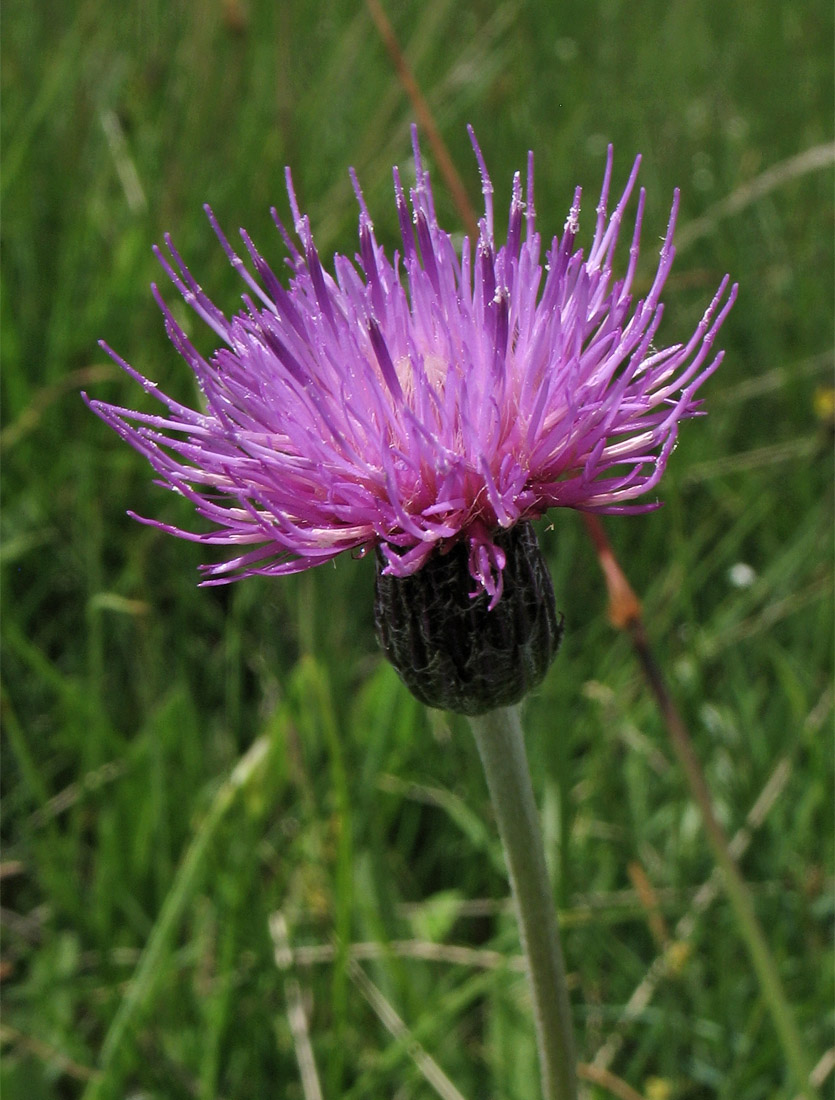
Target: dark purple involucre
412,403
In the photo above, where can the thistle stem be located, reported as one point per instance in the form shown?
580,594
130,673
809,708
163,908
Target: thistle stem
501,746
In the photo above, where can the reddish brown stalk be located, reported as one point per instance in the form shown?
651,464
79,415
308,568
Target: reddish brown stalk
425,118
624,606
625,614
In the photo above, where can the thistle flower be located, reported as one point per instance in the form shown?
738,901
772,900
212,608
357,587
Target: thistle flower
429,401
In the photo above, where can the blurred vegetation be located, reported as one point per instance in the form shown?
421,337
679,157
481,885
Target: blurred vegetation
129,694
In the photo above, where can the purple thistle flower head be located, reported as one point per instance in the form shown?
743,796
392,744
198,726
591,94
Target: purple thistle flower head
434,398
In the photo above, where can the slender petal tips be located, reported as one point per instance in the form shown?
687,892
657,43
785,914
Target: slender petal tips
410,403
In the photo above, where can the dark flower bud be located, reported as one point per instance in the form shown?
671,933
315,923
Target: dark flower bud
449,648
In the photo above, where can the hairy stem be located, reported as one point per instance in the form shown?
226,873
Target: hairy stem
502,748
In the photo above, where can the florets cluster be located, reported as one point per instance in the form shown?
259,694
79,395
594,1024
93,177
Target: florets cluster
437,397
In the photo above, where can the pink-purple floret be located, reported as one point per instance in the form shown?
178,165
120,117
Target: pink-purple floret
411,403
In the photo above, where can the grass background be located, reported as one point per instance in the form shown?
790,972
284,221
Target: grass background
129,695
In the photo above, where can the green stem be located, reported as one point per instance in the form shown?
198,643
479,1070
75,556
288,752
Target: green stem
502,748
